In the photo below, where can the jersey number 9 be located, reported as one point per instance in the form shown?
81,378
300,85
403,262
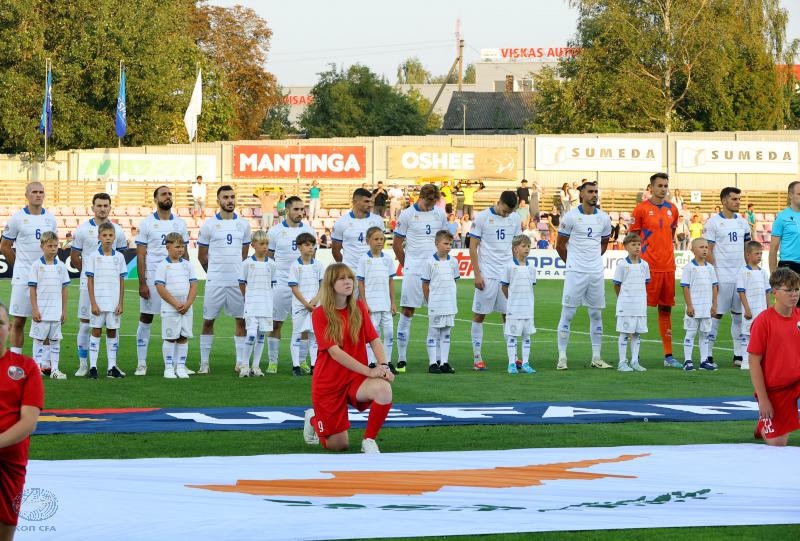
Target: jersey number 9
229,238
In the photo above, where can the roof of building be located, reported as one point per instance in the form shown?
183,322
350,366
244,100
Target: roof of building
488,112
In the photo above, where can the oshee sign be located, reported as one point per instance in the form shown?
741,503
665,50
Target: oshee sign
457,162
299,161
605,154
736,157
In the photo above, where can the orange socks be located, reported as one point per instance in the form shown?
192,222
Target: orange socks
665,330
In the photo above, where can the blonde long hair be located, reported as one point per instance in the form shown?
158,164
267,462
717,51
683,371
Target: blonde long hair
327,300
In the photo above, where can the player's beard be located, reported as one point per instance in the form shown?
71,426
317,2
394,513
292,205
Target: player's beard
165,205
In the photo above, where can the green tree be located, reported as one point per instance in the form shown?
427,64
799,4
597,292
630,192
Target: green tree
423,105
660,65
411,71
355,101
277,124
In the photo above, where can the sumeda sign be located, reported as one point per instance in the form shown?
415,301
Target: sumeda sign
737,157
146,167
456,162
269,161
604,154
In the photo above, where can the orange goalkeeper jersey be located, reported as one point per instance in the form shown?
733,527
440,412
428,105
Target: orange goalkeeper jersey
656,224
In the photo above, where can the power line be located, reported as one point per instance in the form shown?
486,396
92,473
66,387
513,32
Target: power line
352,55
360,47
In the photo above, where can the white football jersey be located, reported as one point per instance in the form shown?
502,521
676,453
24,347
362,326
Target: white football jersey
259,277
632,279
495,233
224,240
585,233
441,276
106,270
520,280
85,238
26,229
176,277
49,281
153,233
283,245
728,237
351,232
419,230
754,283
307,278
376,272
700,279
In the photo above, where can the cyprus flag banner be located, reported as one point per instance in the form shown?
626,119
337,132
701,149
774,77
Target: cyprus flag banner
327,496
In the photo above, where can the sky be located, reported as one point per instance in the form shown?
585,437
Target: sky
309,35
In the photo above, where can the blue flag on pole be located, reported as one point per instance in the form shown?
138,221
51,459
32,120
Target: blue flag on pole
122,112
46,120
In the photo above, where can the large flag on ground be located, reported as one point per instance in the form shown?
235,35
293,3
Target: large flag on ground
121,123
46,120
193,111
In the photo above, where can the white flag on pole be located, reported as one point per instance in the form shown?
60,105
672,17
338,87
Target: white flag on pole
193,111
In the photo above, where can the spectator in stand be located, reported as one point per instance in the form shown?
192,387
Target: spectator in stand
447,194
677,201
466,225
524,213
614,241
441,203
267,200
786,234
454,227
695,228
553,221
395,202
281,205
563,198
532,233
67,243
325,238
575,194
314,199
717,209
682,234
646,193
533,206
751,220
199,193
524,193
468,188
379,198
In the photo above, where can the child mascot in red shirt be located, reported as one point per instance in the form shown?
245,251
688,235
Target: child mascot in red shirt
342,375
21,400
775,360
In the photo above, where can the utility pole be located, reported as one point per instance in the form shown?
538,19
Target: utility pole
460,63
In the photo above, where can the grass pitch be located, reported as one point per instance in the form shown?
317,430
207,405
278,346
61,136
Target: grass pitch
223,388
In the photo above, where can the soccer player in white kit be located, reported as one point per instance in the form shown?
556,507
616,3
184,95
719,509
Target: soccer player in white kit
699,284
584,234
105,274
517,284
305,277
439,276
24,231
727,233
375,276
490,253
284,251
176,284
413,244
222,244
630,284
151,249
752,285
85,238
256,283
48,283
349,235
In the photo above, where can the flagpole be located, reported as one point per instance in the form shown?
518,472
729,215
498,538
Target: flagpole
46,71
196,137
119,139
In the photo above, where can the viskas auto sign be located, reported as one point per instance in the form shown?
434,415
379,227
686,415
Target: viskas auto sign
299,161
598,154
704,156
